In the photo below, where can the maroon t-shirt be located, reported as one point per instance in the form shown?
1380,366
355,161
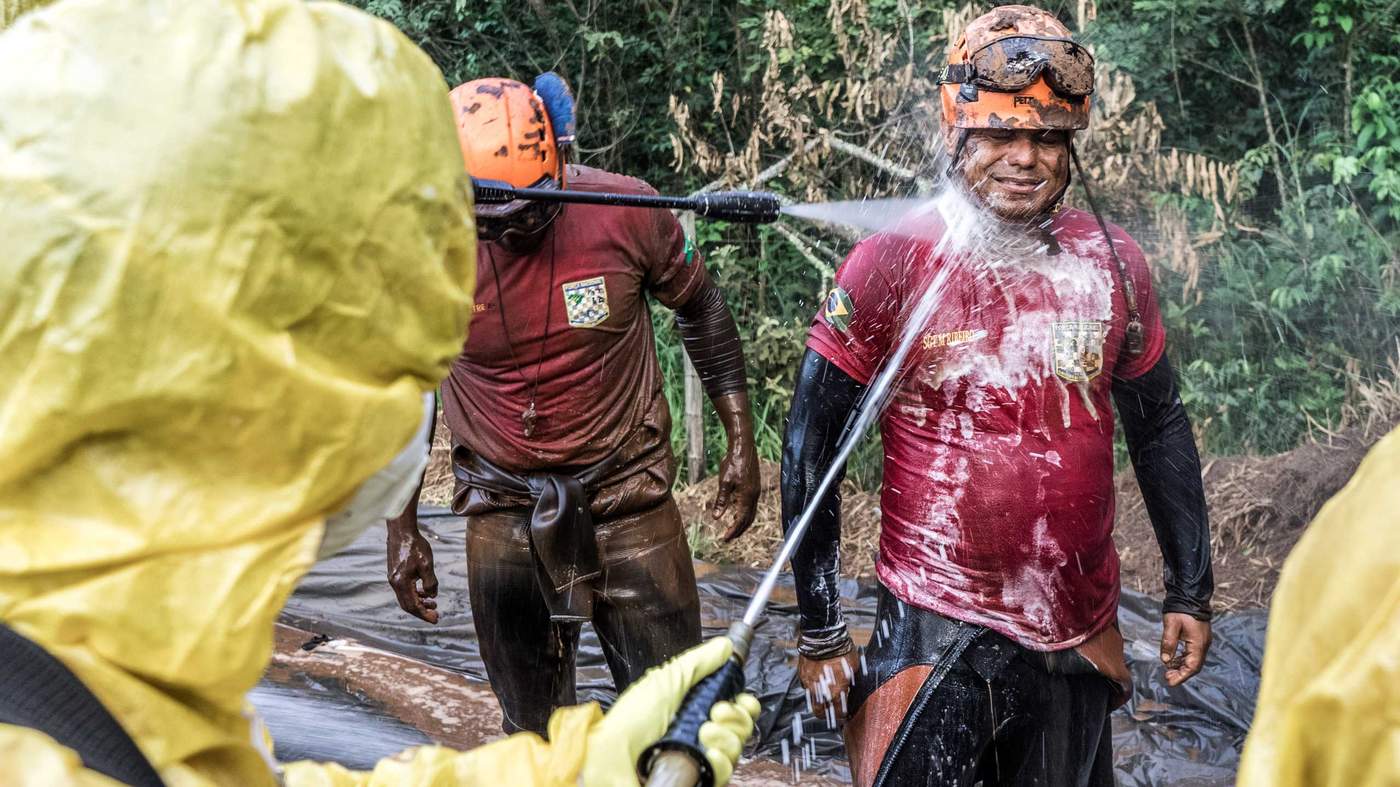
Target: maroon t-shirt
585,333
997,502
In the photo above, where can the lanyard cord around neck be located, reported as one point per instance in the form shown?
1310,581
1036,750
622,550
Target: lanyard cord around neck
1133,339
528,417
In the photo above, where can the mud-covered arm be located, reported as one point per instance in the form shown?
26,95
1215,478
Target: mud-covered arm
1168,470
711,339
822,403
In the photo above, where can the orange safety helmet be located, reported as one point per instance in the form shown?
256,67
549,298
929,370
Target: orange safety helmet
506,135
1017,67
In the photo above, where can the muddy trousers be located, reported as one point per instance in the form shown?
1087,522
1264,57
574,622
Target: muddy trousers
959,705
646,609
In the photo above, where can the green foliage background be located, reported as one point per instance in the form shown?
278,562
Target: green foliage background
1297,302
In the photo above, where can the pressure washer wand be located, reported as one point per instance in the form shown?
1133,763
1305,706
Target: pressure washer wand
678,759
749,207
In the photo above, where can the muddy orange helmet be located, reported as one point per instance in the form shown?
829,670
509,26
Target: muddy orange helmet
1016,67
506,136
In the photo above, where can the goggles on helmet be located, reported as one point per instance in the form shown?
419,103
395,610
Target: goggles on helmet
1011,64
519,220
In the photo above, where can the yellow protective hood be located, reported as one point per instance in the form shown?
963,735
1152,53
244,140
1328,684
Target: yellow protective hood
11,9
1329,701
237,250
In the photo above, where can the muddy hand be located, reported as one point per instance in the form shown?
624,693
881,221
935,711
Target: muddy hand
828,682
1192,638
411,570
736,502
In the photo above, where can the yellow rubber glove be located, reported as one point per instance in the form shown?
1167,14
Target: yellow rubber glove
585,746
642,714
724,735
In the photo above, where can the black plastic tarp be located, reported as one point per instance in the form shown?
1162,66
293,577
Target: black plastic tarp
1188,735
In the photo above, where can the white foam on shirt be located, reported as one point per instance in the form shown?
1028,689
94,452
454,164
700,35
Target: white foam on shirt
1025,354
1067,287
1034,590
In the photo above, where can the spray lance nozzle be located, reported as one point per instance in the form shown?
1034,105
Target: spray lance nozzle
748,207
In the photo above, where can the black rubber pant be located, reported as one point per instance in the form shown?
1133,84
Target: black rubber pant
997,716
646,609
1023,728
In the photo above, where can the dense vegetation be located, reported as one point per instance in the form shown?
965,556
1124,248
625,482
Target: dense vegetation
1253,146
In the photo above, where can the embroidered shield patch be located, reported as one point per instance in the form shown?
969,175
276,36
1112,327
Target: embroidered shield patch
838,309
1078,349
586,302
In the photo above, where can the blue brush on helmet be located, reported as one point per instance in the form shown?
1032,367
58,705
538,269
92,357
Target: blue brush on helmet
559,105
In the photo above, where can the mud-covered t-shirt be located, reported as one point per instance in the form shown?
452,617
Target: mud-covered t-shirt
997,501
585,334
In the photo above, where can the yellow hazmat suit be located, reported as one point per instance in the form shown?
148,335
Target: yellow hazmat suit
11,9
1329,702
238,248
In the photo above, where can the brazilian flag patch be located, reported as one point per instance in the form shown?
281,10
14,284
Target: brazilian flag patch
689,250
838,309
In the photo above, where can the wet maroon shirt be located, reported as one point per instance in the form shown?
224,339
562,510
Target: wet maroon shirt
997,503
596,362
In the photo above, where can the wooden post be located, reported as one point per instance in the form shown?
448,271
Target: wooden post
694,425
694,398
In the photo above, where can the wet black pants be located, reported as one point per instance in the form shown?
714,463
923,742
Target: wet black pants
1024,727
646,609
992,713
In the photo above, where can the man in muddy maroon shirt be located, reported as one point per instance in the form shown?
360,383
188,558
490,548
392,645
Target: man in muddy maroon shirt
560,429
996,655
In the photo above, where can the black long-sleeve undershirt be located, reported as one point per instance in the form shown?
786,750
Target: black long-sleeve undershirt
1160,444
822,403
1168,469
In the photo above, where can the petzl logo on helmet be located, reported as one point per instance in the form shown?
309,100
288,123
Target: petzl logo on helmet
1022,101
838,309
1078,350
586,302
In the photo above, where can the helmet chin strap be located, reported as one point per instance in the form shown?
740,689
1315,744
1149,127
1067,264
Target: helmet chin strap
1035,225
1059,199
956,158
1134,341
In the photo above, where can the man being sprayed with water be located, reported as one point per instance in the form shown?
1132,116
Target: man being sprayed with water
996,655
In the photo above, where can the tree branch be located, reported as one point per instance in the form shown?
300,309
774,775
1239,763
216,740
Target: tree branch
766,175
883,164
827,270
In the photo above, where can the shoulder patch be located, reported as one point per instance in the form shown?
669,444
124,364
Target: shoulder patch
838,309
689,250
